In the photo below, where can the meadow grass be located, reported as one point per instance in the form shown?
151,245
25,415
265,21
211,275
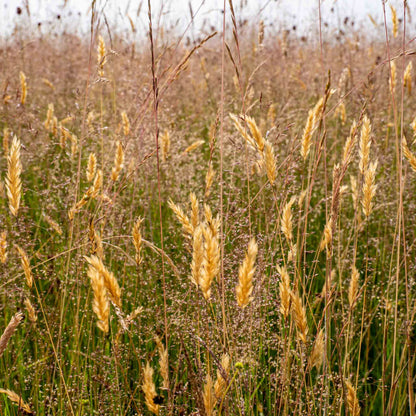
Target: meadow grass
224,227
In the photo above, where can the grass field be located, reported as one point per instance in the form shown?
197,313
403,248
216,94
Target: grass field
222,226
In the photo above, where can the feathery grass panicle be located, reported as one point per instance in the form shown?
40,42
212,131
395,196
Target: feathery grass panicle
3,247
48,123
271,115
393,77
163,362
394,21
317,353
194,146
211,262
209,396
182,218
91,167
197,255
407,78
101,56
327,238
243,131
126,123
299,316
108,277
246,272
352,400
341,112
26,266
365,143
220,384
287,220
256,133
30,310
48,84
213,223
118,162
9,331
307,135
353,288
209,179
194,210
270,162
23,88
165,144
284,291
349,145
149,389
137,240
369,189
413,126
100,303
408,154
96,242
53,224
15,398
13,181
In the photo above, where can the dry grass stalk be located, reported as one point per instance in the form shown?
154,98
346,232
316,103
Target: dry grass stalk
118,162
317,353
211,262
126,123
394,21
407,78
163,362
365,143
30,310
91,167
194,146
8,332
261,34
270,161
209,396
3,247
101,56
26,266
15,398
246,272
149,389
182,217
287,220
353,288
137,240
165,144
220,384
108,277
100,303
299,315
197,256
271,115
284,291
13,181
413,126
352,400
23,88
369,189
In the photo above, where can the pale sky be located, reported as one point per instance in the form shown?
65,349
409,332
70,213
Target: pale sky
302,13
